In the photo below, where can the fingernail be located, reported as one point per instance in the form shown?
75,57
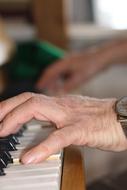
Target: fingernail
30,158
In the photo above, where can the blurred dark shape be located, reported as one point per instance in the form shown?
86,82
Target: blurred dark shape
16,9
25,67
111,182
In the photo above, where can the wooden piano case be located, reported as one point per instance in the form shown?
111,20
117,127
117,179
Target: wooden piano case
73,177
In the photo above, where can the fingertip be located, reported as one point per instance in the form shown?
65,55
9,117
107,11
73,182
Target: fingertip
32,157
27,158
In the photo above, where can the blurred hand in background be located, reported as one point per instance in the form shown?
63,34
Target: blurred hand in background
71,72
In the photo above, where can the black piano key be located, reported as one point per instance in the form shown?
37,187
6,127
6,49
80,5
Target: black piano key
7,145
11,138
5,155
8,154
2,172
19,133
3,163
24,127
14,139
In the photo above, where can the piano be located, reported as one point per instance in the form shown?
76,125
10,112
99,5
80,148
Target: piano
61,171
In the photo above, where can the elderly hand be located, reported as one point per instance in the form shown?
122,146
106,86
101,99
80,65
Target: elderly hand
79,120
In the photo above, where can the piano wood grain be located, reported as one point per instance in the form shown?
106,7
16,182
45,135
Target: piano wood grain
73,175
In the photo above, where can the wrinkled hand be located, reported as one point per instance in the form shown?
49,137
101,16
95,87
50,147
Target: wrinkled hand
79,120
69,73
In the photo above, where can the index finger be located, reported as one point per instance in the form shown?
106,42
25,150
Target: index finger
54,143
7,105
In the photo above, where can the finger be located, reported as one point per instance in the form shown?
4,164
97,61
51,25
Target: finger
18,116
70,84
73,83
52,74
76,80
54,143
9,104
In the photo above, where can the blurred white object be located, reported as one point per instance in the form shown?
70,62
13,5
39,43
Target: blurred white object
3,53
111,13
6,44
7,47
20,30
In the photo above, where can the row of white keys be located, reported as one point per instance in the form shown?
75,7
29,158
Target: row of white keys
43,176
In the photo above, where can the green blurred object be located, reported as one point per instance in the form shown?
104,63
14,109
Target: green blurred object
31,58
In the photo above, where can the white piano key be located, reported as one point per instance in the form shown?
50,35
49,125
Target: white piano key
36,129
27,180
37,186
40,187
38,167
32,173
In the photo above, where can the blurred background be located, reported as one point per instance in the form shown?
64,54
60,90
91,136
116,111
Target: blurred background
41,32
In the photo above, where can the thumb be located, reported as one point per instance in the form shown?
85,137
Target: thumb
54,143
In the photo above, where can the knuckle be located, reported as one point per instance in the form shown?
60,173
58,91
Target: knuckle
61,138
27,95
45,148
35,100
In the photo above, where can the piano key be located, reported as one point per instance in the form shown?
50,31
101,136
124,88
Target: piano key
24,127
17,180
7,145
19,133
32,173
3,164
46,165
14,139
38,186
6,156
2,173
45,175
33,187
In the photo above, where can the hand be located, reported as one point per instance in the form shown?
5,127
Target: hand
67,74
79,120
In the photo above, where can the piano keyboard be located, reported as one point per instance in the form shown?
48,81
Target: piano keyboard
14,175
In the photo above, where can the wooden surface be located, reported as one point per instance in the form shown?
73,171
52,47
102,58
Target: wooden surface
50,21
73,170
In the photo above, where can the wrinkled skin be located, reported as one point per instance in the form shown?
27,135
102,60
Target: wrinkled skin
79,120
